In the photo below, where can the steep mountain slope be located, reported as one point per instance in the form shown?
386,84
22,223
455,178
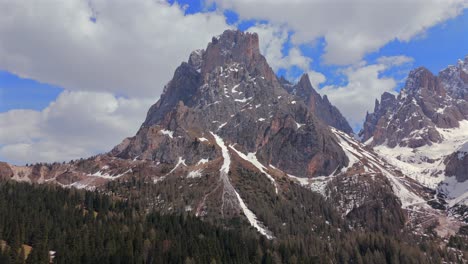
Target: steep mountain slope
219,143
231,92
232,144
424,130
317,104
411,119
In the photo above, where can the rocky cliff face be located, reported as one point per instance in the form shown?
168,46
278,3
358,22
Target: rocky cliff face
222,141
317,104
229,91
455,79
457,164
226,141
423,129
413,117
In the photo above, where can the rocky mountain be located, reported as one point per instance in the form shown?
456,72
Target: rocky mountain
221,142
317,104
412,118
230,92
455,79
233,144
424,130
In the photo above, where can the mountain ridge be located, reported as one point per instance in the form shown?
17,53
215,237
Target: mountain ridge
230,142
317,104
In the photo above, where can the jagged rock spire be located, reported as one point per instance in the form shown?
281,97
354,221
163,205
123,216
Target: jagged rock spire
319,105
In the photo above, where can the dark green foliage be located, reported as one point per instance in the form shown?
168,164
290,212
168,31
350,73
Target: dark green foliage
89,227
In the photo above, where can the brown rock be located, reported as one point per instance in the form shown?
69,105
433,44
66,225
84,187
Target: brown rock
5,171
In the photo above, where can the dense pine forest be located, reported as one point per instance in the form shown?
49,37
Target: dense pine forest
40,223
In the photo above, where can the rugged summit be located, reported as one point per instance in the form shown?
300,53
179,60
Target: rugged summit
230,91
455,79
317,104
424,131
413,117
224,140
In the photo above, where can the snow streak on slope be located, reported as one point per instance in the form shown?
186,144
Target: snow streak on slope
426,164
100,174
181,161
356,152
229,191
456,191
253,219
225,152
252,159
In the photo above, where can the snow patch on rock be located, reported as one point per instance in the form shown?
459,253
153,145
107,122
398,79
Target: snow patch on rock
195,174
202,161
252,159
167,133
426,163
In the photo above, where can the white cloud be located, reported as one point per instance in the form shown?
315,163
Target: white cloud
16,126
132,49
351,28
316,78
364,86
78,124
394,60
272,40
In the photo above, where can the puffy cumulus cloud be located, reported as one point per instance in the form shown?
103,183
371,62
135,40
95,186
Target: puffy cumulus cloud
78,124
316,78
365,83
394,60
124,47
16,126
272,40
351,28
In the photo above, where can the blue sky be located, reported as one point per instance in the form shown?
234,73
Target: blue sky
49,64
19,93
440,46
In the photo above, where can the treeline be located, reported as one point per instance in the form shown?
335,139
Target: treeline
89,227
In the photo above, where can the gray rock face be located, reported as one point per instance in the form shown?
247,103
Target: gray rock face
411,118
317,104
457,164
229,90
388,102
455,79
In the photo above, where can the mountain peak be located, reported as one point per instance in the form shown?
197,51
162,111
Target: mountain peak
304,80
231,46
234,46
463,62
422,81
418,73
454,79
317,104
236,38
425,104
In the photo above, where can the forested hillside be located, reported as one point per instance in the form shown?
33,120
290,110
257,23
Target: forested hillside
88,227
